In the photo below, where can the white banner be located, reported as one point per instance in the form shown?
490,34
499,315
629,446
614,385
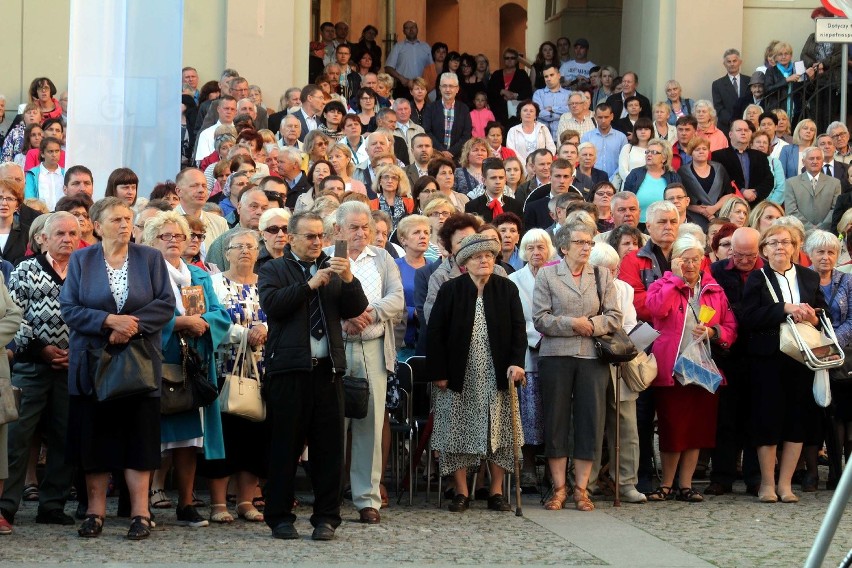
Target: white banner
124,89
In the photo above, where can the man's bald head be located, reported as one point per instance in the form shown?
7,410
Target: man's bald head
744,248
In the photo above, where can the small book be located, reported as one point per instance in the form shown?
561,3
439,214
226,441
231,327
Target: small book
643,335
193,300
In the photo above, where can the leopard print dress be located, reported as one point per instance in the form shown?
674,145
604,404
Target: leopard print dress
475,424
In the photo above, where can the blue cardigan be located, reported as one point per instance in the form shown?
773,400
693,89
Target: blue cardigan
789,157
187,425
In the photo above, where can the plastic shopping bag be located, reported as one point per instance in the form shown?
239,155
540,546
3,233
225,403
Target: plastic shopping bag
822,388
695,366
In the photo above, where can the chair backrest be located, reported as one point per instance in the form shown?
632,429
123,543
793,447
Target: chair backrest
417,363
403,413
421,393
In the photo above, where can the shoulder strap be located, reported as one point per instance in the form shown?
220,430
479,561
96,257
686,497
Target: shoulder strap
769,285
835,290
598,287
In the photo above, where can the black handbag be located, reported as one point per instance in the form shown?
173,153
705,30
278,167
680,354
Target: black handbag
124,369
615,347
185,386
356,393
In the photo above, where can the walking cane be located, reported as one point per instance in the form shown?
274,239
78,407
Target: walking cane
617,502
516,436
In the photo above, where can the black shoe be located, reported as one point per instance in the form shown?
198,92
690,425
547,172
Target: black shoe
716,488
496,502
810,483
460,504
752,489
450,493
481,494
323,531
8,515
188,517
80,513
54,517
285,531
92,527
140,528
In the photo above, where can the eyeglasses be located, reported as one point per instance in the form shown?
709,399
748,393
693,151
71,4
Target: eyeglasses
428,190
511,57
691,261
441,214
743,255
840,135
43,88
583,244
275,229
81,215
197,236
604,193
8,199
309,236
676,198
653,152
782,243
242,247
176,237
725,244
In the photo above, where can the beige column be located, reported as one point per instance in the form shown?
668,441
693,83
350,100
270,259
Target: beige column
536,33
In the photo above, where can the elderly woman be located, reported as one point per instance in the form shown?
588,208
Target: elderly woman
686,414
192,252
705,114
316,146
274,236
413,233
443,170
783,87
782,405
529,135
246,442
752,114
494,134
720,242
678,105
185,434
381,232
764,214
632,155
469,174
394,193
318,172
123,183
234,186
662,128
102,309
824,249
736,210
606,258
707,183
10,322
649,182
625,239
536,250
476,347
792,156
340,157
602,195
13,236
437,211
572,303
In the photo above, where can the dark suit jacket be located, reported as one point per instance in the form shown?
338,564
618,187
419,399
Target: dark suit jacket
411,172
623,125
301,187
479,206
844,202
840,171
725,99
451,325
760,174
537,215
586,183
520,84
614,101
300,114
433,124
400,149
275,120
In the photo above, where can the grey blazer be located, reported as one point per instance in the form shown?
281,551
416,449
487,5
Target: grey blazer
813,207
558,299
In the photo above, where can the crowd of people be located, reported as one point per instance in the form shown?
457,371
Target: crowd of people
498,222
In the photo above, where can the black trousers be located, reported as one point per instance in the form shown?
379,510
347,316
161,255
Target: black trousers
645,411
305,407
731,428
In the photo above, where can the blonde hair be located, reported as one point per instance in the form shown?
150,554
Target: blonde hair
757,212
409,222
728,207
403,187
344,149
798,129
155,224
437,202
468,146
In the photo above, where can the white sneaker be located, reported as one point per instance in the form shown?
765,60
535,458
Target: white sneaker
631,495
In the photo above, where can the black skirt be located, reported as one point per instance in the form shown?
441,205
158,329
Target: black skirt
116,435
246,449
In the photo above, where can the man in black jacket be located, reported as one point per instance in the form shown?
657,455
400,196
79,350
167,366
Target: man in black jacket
629,84
756,180
305,295
493,203
450,111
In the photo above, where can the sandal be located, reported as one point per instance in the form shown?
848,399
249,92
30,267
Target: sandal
689,494
31,492
661,493
582,501
158,499
252,515
92,527
557,499
221,517
258,502
196,502
140,528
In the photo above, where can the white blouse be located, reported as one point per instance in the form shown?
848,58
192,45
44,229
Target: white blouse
789,285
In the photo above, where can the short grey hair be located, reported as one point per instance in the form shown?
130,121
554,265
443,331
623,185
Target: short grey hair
836,125
821,239
290,153
810,150
269,214
155,223
350,208
400,101
55,218
604,256
239,232
536,236
623,196
685,243
563,235
249,101
693,230
732,51
658,207
450,77
704,103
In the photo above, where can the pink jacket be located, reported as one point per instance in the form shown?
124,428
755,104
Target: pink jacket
667,301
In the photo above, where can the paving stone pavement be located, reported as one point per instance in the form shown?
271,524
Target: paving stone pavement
728,531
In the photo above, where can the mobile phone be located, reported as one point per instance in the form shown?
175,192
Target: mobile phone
341,249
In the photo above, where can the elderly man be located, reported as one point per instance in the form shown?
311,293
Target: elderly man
406,128
191,189
579,118
252,203
41,372
607,140
407,59
290,169
811,196
640,269
289,132
831,166
493,203
731,433
151,209
227,110
728,89
625,211
447,120
422,152
629,84
840,134
306,294
754,96
257,114
378,144
370,349
552,100
288,103
386,119
309,115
